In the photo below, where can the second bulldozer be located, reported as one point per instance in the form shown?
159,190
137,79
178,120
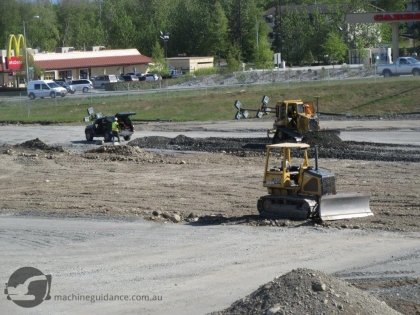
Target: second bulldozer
301,191
294,118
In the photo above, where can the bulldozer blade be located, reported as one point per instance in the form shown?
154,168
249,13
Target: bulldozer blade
344,205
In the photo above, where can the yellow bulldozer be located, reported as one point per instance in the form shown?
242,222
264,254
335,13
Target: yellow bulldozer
294,118
301,191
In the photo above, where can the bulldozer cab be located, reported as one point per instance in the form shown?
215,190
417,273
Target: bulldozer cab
281,172
294,115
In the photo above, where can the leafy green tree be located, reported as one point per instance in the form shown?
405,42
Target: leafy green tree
196,27
360,35
295,34
238,14
334,48
234,57
8,23
150,17
392,5
121,30
262,56
320,25
160,64
218,32
41,32
190,27
80,23
253,31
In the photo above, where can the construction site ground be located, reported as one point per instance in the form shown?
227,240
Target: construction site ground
166,177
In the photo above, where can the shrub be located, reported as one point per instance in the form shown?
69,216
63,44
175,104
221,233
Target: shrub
241,77
205,71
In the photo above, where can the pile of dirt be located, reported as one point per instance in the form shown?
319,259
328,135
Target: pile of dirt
306,291
329,144
231,145
150,142
324,139
120,153
117,149
212,144
37,144
125,153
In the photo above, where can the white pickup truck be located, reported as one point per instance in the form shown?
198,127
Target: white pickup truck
403,65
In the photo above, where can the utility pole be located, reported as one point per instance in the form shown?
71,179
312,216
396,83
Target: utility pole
165,39
240,23
256,27
26,50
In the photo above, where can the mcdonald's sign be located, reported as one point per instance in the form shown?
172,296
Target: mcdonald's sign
16,61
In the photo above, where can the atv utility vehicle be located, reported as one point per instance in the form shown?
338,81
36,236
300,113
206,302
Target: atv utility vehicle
102,127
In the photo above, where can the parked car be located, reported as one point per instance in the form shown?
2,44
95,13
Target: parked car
132,77
102,127
403,65
150,77
84,85
70,88
139,74
120,78
173,74
100,81
45,88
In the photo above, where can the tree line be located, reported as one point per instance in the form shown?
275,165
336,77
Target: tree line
231,30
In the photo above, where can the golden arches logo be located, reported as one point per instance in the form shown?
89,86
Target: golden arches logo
16,43
15,62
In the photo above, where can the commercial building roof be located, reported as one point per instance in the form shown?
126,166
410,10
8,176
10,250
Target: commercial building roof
90,59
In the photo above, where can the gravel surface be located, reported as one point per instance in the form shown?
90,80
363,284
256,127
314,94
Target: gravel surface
306,291
194,268
218,183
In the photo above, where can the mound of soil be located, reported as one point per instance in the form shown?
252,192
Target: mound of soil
306,291
211,144
232,145
117,149
37,144
151,142
329,144
324,139
119,153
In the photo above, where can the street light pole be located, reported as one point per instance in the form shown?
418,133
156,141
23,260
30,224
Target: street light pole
26,55
26,50
165,39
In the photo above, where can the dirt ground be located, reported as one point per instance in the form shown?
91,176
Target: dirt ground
219,187
211,180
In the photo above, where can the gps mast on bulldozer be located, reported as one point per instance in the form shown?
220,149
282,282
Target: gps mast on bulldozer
302,191
294,118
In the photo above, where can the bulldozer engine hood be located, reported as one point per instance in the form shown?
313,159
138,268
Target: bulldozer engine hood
318,182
